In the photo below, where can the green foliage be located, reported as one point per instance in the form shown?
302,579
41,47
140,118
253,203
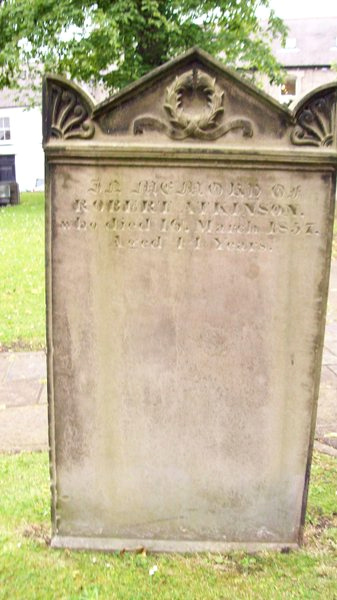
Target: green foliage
29,569
114,43
22,289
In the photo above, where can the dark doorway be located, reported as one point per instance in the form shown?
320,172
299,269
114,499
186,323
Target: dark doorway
7,167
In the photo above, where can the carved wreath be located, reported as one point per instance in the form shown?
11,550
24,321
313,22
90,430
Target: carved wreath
198,125
205,125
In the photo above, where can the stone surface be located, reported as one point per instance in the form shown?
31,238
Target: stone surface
20,393
18,439
186,296
24,428
326,449
23,402
27,365
326,428
329,357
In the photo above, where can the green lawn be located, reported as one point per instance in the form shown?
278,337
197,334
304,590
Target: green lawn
22,295
29,569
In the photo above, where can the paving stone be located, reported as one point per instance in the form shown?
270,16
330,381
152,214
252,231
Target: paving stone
6,359
24,428
43,397
333,369
331,328
329,357
326,424
325,449
20,393
27,365
330,339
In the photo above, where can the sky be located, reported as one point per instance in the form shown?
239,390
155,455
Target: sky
304,8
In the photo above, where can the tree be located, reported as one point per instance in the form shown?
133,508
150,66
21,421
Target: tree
113,42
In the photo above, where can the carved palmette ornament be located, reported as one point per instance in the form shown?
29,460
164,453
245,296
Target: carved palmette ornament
316,122
69,116
206,125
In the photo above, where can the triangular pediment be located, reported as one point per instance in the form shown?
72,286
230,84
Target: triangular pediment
194,59
192,98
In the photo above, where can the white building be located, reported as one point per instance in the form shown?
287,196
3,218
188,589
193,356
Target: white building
309,57
21,154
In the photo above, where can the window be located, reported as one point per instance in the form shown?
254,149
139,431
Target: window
288,88
5,132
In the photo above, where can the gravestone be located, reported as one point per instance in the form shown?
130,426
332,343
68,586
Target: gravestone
189,227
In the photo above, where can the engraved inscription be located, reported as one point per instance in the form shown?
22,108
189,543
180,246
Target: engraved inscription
228,214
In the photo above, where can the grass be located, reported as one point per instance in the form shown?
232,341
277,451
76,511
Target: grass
22,295
29,569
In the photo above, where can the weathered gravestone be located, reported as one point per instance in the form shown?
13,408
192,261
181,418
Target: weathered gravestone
188,241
